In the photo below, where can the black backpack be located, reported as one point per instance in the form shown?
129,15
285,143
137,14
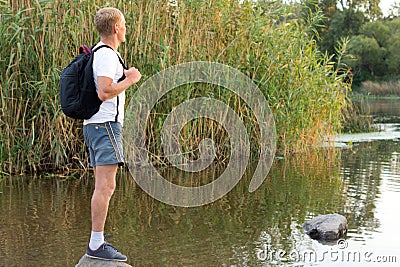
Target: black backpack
78,95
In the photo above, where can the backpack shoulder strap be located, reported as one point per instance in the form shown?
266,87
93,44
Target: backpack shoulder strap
119,58
100,46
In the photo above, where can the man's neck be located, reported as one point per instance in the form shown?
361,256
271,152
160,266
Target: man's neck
110,41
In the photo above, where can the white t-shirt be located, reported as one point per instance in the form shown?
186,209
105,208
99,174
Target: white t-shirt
106,63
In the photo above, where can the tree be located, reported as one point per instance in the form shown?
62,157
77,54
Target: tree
393,58
369,7
368,55
343,18
375,51
342,24
377,30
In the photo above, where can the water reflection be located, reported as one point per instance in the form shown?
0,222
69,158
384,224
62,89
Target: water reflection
380,107
41,219
42,216
225,232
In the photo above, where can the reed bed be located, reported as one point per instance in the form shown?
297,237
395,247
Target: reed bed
385,88
304,90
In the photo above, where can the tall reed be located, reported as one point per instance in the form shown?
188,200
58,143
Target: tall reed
385,88
278,52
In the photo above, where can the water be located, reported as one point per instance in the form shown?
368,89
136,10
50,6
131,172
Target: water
45,221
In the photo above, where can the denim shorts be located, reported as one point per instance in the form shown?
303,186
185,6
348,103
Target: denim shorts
104,141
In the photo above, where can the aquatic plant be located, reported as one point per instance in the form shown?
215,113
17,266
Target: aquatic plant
265,41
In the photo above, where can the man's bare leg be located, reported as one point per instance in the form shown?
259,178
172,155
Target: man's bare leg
104,189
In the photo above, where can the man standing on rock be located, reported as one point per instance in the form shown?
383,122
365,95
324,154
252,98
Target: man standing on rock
103,131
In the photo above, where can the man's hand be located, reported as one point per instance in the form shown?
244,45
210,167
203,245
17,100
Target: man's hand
133,75
108,90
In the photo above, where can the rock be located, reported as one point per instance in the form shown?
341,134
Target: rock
85,261
327,227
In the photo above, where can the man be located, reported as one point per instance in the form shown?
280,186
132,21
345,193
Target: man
102,132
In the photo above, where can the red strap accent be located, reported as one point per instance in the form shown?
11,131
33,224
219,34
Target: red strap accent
84,49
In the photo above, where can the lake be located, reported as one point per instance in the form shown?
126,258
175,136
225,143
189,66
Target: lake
45,221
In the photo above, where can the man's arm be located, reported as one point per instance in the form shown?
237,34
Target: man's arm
108,90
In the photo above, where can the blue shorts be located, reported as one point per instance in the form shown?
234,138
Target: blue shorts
104,141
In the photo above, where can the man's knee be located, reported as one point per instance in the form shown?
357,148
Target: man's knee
105,179
106,189
111,189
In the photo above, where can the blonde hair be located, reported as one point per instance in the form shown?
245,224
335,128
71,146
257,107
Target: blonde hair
105,19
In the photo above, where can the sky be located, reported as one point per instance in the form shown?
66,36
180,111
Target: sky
385,5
